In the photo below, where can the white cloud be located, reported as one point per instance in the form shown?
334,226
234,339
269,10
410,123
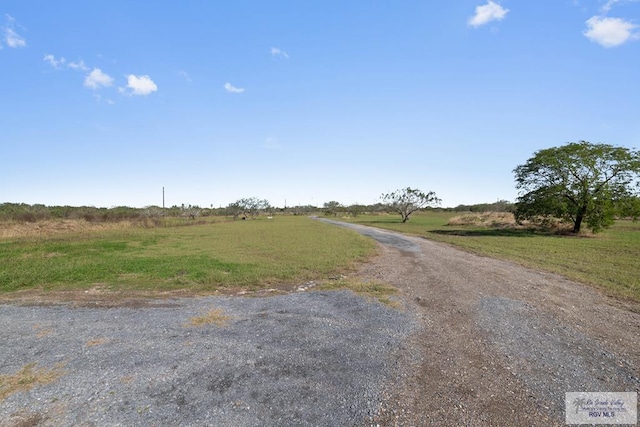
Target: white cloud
487,13
610,32
13,39
232,89
78,65
139,85
275,52
55,63
96,79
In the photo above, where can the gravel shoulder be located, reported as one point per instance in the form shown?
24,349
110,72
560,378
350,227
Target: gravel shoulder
479,342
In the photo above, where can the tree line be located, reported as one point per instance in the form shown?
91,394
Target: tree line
579,183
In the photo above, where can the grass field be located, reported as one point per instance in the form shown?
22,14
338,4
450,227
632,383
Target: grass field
609,260
260,253
200,258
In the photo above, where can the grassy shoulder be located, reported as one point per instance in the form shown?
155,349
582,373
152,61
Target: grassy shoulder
608,260
199,258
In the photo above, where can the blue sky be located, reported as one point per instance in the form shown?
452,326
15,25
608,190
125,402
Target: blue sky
104,103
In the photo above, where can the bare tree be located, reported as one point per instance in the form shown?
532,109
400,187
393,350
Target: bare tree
251,206
408,200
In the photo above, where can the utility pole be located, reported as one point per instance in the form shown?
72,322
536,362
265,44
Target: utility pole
162,197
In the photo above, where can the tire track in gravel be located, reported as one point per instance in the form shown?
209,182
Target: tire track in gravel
499,344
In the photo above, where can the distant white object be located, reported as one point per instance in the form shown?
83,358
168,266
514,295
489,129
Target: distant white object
269,217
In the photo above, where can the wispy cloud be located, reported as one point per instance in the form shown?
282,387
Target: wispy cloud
139,85
610,3
278,53
97,79
610,32
58,63
272,143
232,89
99,100
489,12
78,65
55,63
185,76
11,37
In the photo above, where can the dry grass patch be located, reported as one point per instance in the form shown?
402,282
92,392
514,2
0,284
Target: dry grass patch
214,316
506,220
370,289
42,331
484,219
13,229
97,341
27,378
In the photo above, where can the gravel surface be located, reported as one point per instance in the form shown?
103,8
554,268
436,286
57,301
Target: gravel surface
305,359
479,342
500,345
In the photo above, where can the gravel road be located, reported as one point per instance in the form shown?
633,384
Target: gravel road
499,345
479,342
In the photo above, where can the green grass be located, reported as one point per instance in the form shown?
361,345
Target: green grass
201,258
609,261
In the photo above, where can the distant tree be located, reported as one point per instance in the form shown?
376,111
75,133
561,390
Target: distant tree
499,206
254,206
191,212
153,212
578,182
630,208
301,210
408,200
234,209
355,209
251,206
332,208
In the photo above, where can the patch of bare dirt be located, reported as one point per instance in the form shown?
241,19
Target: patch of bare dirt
100,296
10,229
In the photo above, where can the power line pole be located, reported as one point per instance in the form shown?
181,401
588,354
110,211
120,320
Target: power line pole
162,197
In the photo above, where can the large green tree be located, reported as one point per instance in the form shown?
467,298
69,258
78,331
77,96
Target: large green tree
408,200
577,182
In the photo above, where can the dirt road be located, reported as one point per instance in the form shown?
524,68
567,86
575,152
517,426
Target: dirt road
499,344
479,342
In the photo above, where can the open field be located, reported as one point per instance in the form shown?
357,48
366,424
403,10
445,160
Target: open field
198,258
608,260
